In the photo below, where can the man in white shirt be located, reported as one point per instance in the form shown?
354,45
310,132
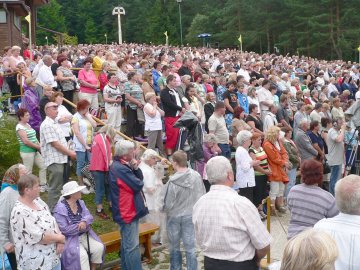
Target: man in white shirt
270,118
315,114
265,98
243,72
228,228
45,78
345,227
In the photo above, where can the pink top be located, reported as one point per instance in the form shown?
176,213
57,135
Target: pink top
88,77
101,154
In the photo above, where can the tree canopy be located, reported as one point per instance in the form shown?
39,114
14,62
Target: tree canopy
324,29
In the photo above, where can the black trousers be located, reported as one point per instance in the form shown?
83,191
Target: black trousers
247,192
69,95
214,264
12,260
133,126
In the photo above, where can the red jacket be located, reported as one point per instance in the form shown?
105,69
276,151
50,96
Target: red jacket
101,154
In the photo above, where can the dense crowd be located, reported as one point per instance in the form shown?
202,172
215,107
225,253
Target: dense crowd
238,127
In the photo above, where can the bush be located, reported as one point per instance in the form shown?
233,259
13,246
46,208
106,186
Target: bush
9,146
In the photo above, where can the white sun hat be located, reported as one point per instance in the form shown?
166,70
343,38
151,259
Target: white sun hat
71,188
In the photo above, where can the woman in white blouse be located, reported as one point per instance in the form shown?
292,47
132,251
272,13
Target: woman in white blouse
193,102
245,175
152,189
153,124
39,242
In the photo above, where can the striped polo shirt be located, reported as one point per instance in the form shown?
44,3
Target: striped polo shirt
260,155
31,135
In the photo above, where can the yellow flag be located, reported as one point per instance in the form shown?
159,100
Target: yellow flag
28,18
166,34
240,39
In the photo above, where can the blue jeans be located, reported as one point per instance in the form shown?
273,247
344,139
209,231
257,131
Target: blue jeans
101,187
225,150
130,251
292,181
334,177
82,158
181,228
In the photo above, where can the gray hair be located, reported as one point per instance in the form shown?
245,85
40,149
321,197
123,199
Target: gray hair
217,169
183,78
210,138
108,131
47,57
347,194
303,122
243,136
123,147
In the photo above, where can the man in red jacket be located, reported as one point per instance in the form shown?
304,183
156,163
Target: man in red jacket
128,203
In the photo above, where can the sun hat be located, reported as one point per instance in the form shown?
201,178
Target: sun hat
71,188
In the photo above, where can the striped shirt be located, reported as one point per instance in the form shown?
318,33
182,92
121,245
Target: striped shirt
260,155
308,204
345,230
31,135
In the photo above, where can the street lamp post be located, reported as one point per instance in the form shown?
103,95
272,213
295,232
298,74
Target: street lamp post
105,38
181,34
119,11
47,41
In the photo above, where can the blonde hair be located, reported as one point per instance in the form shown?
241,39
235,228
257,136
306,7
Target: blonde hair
149,95
272,134
147,76
310,250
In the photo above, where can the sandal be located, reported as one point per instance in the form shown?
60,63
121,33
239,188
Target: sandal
102,214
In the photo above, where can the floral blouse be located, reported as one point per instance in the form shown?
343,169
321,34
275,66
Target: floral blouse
28,227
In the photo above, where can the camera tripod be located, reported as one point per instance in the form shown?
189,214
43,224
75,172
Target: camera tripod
354,154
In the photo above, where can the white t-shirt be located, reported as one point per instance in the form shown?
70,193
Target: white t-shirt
152,123
65,127
264,95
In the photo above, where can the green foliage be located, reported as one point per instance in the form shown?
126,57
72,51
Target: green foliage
324,29
198,26
9,146
70,40
51,17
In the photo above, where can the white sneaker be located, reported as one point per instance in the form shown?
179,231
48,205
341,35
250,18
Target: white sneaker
43,188
86,182
85,191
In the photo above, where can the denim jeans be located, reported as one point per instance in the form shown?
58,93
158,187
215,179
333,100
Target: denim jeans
101,187
225,150
334,177
181,228
292,181
130,251
82,158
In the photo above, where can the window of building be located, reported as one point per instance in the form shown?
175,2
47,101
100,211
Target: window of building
17,21
2,16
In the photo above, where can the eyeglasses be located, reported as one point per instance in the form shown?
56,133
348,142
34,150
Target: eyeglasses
53,106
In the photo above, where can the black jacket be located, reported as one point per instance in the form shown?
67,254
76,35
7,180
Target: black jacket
168,101
185,71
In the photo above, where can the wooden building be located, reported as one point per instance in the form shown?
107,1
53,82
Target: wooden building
11,14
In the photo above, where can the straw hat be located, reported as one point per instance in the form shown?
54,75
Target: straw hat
71,188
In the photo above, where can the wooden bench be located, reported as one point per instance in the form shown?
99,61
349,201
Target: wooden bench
112,240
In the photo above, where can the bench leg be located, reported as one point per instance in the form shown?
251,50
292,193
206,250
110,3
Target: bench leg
147,245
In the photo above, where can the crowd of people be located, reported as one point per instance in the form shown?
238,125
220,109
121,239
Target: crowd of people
260,119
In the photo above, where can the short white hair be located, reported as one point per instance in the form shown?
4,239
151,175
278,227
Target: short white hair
243,136
210,138
347,194
123,147
217,169
148,154
303,122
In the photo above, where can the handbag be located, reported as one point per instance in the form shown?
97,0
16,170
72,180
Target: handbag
326,167
87,173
